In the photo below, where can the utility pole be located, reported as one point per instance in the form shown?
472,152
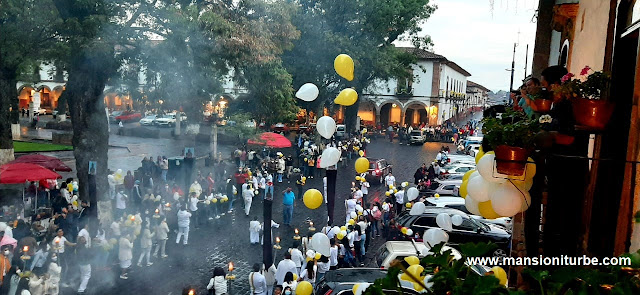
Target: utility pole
513,66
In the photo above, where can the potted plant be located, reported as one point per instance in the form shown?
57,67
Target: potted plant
541,99
589,109
511,136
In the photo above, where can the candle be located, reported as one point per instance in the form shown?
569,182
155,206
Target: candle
295,231
310,223
277,240
168,204
133,218
157,211
230,266
25,249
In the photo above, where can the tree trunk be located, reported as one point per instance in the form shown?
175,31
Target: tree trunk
88,74
8,113
350,115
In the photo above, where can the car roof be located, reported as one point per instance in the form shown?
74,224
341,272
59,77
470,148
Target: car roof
430,210
355,275
402,247
445,200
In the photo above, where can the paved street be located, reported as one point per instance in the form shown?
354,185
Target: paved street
227,239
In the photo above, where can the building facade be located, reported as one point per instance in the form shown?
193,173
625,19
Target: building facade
436,93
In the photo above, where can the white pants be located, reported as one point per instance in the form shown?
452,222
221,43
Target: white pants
85,275
146,252
161,245
247,205
183,231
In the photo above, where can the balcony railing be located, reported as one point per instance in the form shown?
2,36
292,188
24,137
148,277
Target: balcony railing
404,91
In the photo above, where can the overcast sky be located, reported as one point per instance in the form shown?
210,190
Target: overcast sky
481,42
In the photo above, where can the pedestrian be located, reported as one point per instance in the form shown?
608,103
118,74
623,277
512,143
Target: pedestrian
128,182
125,255
281,166
364,187
247,195
285,266
164,168
193,208
390,133
5,262
218,282
268,184
350,207
52,280
334,254
273,225
60,243
231,191
161,234
183,225
324,186
390,180
323,267
287,203
270,278
254,231
121,203
296,256
289,282
146,242
257,281
420,174
83,259
289,165
399,201
309,273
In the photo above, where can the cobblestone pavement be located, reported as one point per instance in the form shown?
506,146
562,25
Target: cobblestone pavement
227,239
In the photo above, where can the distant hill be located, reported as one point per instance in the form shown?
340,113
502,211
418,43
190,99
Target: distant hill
496,98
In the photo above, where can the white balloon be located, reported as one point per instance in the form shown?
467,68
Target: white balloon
320,243
409,232
343,232
472,205
359,208
478,188
506,200
444,221
330,157
353,215
311,253
326,126
306,144
335,230
361,288
474,174
417,208
456,220
308,92
434,236
486,169
428,284
526,202
412,193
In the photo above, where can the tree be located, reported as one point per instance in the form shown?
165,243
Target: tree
365,30
26,34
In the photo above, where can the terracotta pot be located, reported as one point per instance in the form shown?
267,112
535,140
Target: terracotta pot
542,105
511,160
594,114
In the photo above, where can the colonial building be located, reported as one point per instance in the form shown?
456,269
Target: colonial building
477,96
436,93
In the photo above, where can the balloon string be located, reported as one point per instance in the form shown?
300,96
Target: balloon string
522,193
411,276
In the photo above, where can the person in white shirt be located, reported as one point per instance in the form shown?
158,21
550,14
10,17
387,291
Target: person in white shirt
333,258
254,231
218,282
390,180
309,273
193,207
125,255
289,282
399,201
324,182
257,281
183,225
162,231
273,225
84,232
364,188
247,195
323,267
270,277
357,194
146,242
121,203
296,256
350,206
285,266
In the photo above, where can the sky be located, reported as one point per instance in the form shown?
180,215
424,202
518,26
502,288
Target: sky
468,33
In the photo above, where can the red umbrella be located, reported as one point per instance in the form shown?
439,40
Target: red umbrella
271,139
13,173
51,163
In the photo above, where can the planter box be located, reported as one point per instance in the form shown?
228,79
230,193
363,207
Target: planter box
62,137
511,160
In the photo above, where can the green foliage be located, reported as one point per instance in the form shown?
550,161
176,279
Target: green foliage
29,147
512,129
240,129
589,86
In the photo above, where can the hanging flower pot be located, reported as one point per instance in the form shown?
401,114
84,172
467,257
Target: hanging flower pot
591,113
511,160
542,105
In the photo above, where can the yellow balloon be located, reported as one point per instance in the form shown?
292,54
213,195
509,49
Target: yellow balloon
412,260
404,230
463,188
361,153
391,186
346,97
409,205
387,193
304,288
343,64
415,270
487,211
214,200
395,191
295,277
340,236
351,222
312,198
75,203
318,256
466,176
500,274
437,195
304,178
358,178
479,154
344,227
362,165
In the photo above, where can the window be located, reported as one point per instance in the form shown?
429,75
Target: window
426,222
466,225
448,187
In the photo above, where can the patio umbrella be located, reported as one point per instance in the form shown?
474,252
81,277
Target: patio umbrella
51,163
14,173
272,140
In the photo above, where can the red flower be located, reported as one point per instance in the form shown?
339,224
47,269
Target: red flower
585,70
567,77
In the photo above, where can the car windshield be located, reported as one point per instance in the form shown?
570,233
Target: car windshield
480,224
150,117
116,113
340,128
416,133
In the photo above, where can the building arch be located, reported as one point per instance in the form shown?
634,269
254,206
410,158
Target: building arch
390,115
415,113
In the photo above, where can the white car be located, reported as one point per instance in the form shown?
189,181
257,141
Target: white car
417,136
168,119
148,120
399,250
458,204
455,169
448,187
341,131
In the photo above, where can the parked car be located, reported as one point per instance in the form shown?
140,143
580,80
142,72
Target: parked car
473,149
454,169
458,204
341,281
280,128
399,250
417,136
341,131
378,170
445,187
168,119
471,230
128,116
148,120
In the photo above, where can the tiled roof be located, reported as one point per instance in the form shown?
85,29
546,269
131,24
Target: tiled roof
474,84
428,55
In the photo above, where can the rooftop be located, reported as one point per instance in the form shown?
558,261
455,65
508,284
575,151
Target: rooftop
428,55
474,84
